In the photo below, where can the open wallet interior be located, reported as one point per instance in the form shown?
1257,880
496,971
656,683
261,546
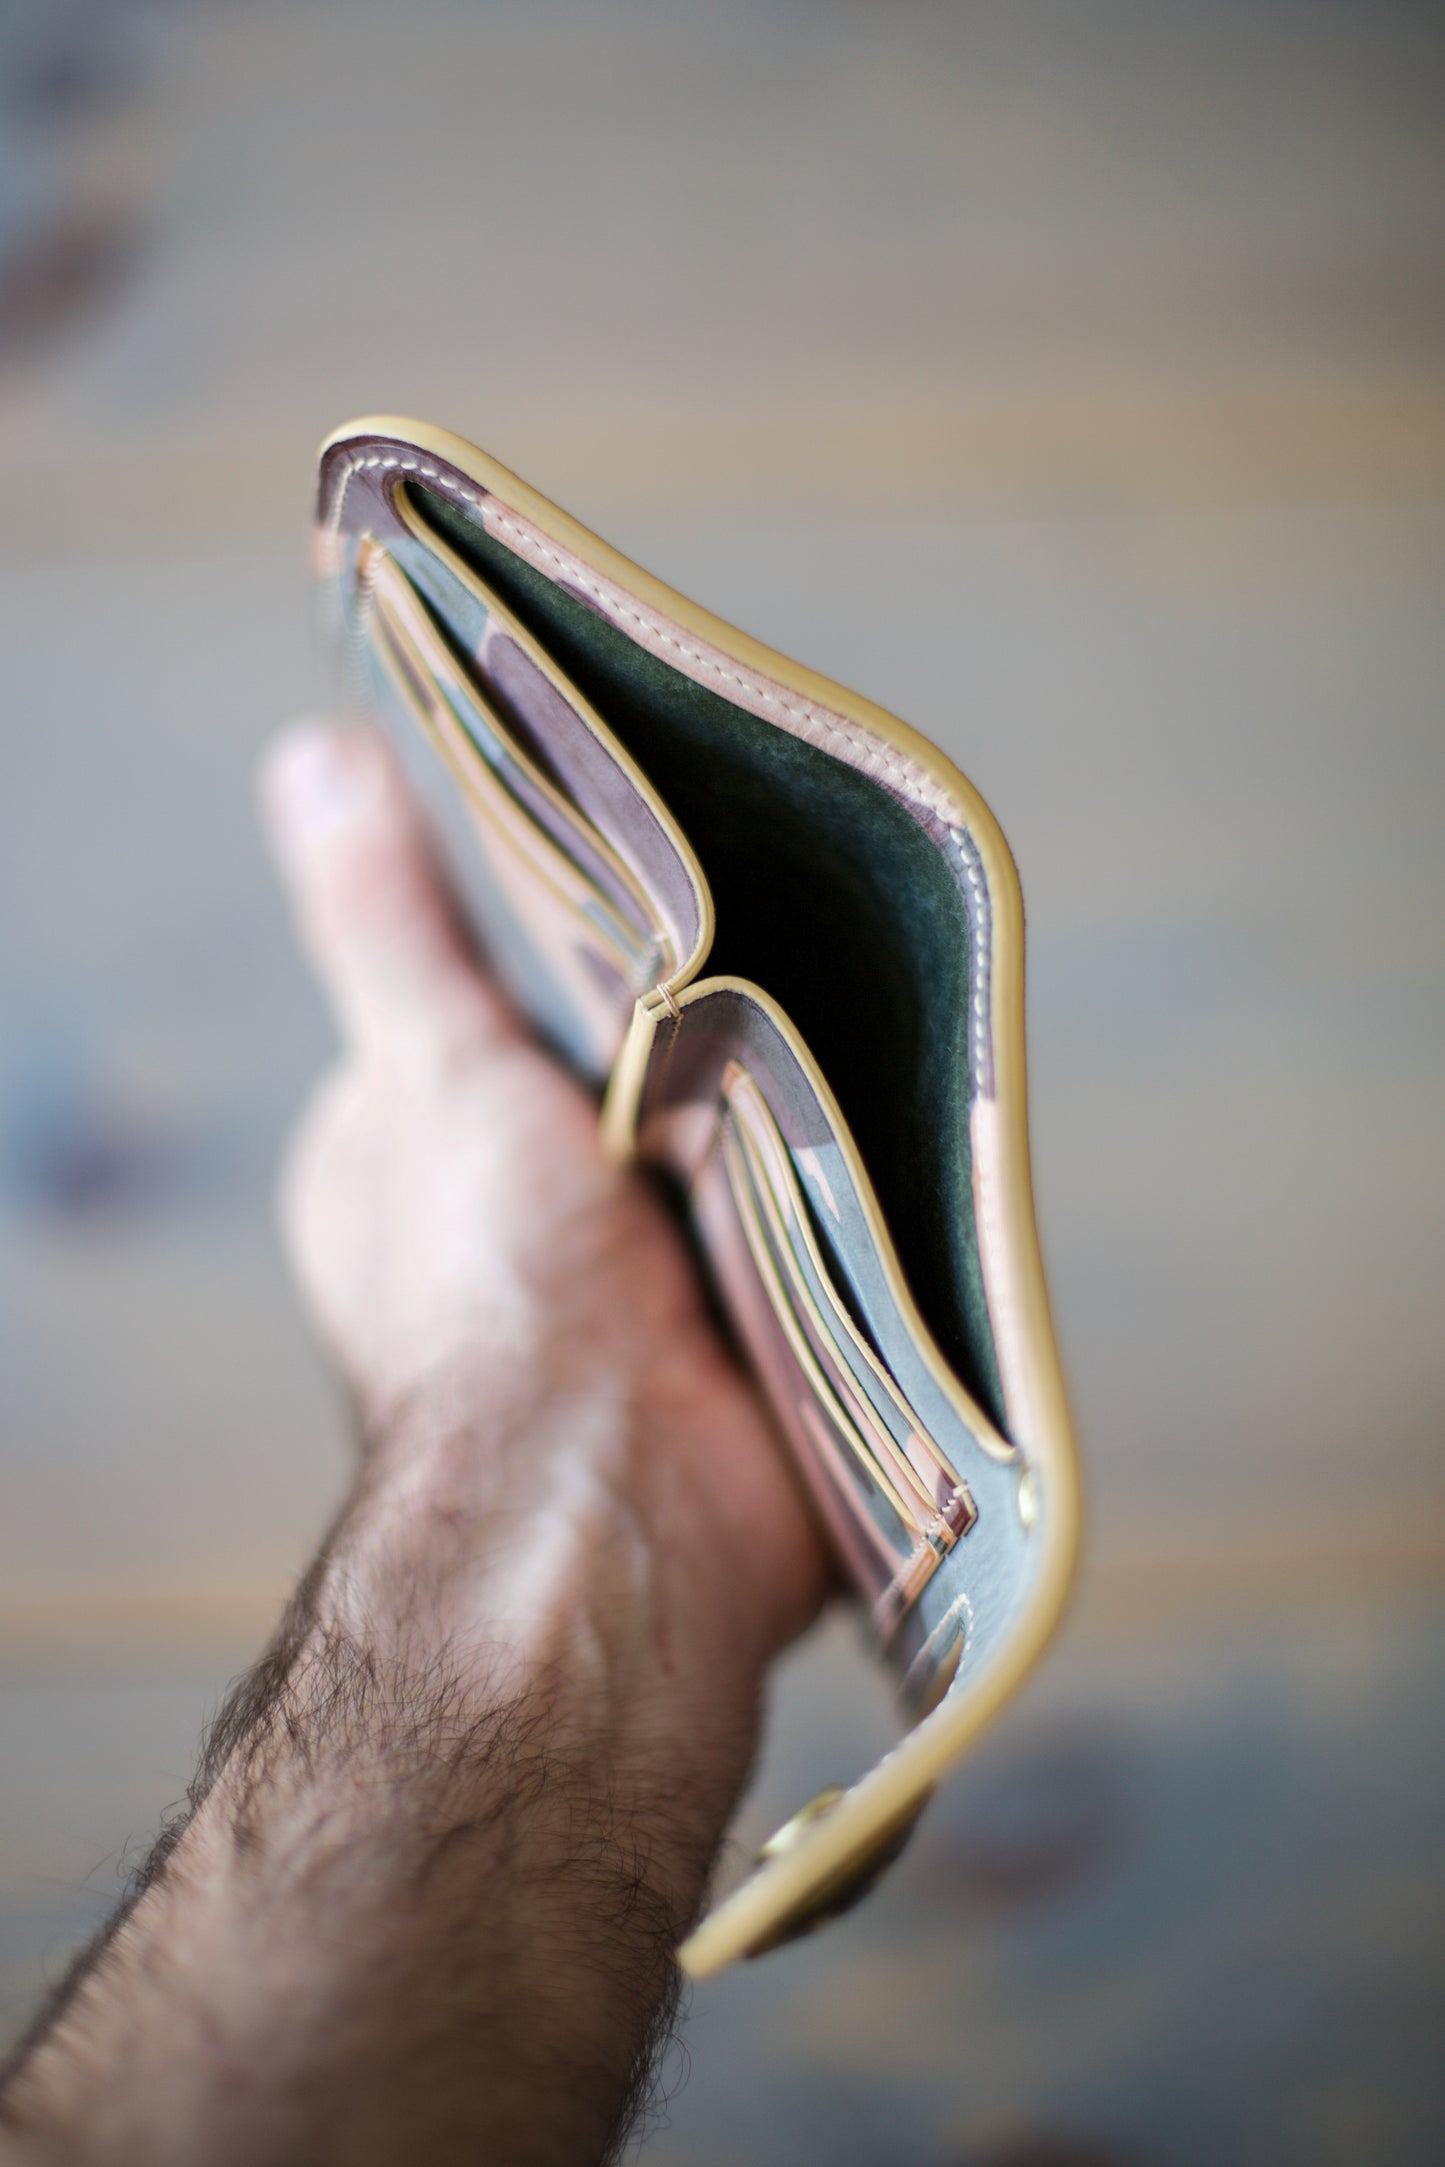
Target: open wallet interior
781,936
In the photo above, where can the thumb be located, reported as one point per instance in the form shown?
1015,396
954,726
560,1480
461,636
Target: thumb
371,909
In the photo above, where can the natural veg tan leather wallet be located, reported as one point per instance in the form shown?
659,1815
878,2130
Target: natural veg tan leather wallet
782,936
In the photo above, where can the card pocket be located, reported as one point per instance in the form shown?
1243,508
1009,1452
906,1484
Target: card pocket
517,803
575,925
868,1442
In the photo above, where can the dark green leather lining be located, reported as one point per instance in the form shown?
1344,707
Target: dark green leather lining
832,899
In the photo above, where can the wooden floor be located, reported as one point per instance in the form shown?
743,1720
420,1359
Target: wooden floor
1073,381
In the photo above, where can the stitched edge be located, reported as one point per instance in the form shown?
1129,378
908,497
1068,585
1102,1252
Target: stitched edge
802,718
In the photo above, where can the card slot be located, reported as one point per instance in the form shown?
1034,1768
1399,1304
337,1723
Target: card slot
394,600
869,1440
920,1532
836,1436
422,671
507,829
929,1499
923,1466
527,778
570,738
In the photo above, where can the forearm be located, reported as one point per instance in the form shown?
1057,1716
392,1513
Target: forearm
449,1836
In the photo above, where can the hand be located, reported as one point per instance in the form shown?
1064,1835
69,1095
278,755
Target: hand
447,1834
469,1259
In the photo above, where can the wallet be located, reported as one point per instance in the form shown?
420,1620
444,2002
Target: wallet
781,936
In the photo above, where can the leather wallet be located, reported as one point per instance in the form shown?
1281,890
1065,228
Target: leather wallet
782,937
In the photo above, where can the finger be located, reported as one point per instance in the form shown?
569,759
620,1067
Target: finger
370,906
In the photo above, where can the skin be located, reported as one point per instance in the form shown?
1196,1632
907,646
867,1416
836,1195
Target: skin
446,1837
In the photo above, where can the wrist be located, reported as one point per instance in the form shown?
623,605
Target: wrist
545,1551
535,1521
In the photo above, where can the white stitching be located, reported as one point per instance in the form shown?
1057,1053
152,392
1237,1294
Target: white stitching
819,725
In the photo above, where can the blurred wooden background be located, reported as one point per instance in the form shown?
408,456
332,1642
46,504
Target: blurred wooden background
1104,345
